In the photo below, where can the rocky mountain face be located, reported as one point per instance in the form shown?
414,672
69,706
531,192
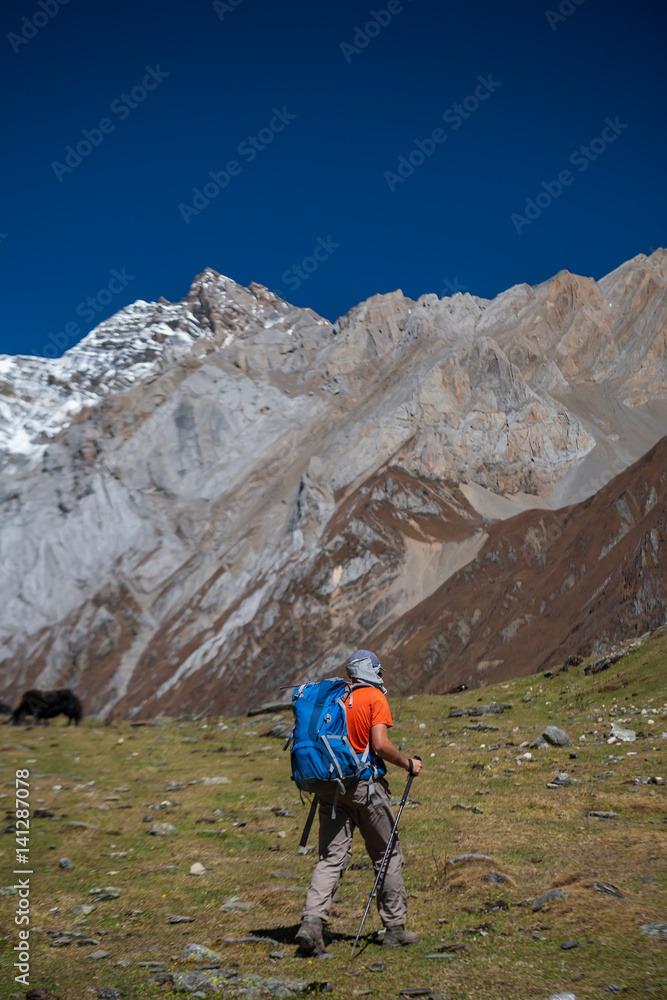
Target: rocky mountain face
203,501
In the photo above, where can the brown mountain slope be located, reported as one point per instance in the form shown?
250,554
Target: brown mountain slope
545,584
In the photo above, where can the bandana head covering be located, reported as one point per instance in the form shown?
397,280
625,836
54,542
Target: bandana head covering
364,666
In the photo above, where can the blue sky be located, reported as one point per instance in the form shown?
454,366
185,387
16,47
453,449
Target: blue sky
339,149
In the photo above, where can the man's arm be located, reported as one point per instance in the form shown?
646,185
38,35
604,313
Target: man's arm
383,747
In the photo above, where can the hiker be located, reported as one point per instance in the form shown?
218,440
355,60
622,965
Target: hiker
366,804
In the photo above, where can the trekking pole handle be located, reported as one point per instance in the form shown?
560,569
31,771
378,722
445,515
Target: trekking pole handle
410,760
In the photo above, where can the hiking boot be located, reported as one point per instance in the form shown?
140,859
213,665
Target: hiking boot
394,937
309,936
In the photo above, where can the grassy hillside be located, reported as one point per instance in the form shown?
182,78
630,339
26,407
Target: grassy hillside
109,777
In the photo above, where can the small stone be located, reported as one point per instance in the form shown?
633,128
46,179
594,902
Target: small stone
654,930
147,818
562,996
215,781
547,897
556,737
578,976
623,735
109,993
597,814
377,967
236,906
199,953
163,830
277,955
607,887
493,878
306,850
197,868
98,955
613,988
181,920
569,945
539,937
83,909
65,863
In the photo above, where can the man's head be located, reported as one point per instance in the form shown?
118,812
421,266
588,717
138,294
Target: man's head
364,666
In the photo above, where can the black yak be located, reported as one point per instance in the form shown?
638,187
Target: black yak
47,704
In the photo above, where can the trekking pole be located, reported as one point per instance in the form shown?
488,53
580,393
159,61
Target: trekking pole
385,858
309,822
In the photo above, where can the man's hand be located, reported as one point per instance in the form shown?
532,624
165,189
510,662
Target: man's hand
383,747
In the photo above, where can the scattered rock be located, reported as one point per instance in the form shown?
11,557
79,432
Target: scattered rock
454,947
654,930
493,878
608,888
197,868
561,780
83,908
460,805
613,988
199,953
469,857
578,976
377,967
109,993
597,814
98,955
569,945
181,920
163,830
108,892
235,905
215,781
623,735
38,994
440,955
562,996
65,863
556,737
278,955
603,663
548,897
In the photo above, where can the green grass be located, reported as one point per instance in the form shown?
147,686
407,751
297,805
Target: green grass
537,837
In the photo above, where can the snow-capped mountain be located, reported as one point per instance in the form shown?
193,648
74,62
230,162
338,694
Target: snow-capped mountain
209,497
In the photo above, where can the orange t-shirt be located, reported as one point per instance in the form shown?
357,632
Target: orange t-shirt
369,708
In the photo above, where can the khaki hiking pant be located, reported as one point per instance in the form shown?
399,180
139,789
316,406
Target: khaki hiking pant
375,821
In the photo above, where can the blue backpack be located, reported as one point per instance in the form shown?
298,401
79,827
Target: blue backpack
323,758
